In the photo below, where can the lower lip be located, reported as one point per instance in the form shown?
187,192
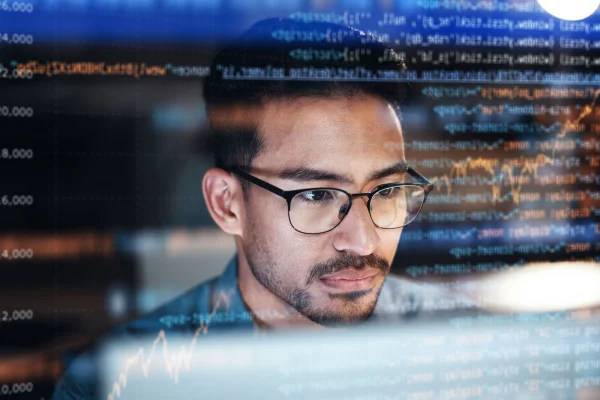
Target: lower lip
350,285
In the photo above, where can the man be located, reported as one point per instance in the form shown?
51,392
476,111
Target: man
310,180
318,256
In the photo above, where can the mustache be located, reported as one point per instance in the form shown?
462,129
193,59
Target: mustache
346,261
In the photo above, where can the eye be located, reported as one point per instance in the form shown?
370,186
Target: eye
393,191
385,192
315,195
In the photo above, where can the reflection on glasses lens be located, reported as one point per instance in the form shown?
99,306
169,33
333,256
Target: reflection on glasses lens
317,211
397,206
320,210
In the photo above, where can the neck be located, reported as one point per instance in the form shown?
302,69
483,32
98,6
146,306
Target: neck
269,308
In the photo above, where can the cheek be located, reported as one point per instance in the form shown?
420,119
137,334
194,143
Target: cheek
265,212
275,242
267,227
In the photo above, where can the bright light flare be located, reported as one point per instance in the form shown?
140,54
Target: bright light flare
571,10
542,287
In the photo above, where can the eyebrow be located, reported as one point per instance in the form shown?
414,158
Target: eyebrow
397,168
306,174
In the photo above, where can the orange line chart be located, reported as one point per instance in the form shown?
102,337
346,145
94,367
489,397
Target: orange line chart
174,361
526,165
506,173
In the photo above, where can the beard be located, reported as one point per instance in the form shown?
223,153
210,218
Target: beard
353,308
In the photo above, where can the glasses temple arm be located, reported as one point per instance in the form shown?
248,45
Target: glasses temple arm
420,178
257,182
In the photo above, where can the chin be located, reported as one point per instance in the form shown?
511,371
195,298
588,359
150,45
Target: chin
347,314
342,320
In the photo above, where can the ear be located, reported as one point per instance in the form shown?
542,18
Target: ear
224,199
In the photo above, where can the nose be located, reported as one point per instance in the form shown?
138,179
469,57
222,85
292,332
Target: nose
356,233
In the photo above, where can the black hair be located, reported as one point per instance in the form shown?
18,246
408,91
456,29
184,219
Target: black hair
285,45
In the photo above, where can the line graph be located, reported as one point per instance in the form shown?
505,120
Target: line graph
173,361
516,180
525,166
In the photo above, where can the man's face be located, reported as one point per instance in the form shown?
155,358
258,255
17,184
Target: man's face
343,143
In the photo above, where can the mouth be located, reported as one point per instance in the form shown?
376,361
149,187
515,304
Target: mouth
351,280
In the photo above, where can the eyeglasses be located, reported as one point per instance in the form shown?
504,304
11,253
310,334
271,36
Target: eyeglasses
319,210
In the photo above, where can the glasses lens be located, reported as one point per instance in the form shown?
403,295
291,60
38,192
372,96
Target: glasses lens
317,211
396,206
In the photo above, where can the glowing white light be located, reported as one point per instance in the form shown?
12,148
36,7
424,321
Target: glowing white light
571,10
543,287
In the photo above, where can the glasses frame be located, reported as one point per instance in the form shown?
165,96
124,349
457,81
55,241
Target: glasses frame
288,195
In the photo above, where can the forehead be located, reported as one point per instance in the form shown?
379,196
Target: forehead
352,135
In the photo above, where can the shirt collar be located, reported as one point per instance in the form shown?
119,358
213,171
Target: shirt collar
226,296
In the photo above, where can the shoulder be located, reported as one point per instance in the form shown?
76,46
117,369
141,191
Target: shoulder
180,315
177,314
